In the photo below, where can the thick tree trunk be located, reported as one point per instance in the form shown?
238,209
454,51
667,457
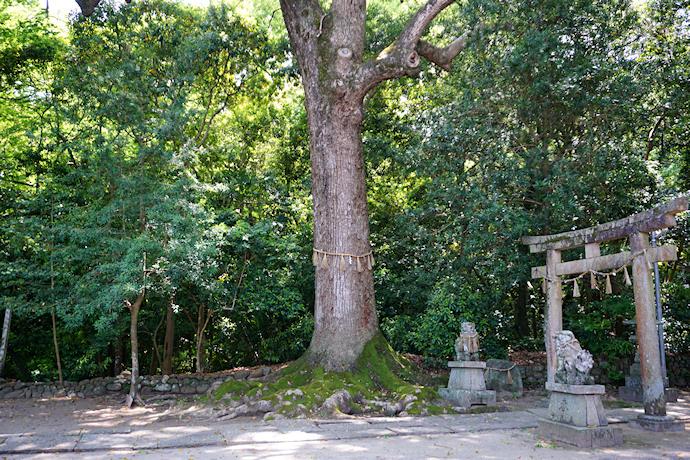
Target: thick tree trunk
5,339
345,312
166,368
329,48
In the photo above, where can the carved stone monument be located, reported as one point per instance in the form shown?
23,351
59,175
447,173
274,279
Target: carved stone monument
576,414
466,384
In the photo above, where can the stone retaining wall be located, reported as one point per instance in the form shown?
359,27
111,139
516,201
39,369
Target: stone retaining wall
148,385
677,369
536,375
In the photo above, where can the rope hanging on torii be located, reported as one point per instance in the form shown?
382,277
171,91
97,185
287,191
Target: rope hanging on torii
593,273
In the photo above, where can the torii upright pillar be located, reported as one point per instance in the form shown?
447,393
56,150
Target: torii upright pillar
553,316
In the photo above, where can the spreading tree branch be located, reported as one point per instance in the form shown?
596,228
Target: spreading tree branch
402,57
443,57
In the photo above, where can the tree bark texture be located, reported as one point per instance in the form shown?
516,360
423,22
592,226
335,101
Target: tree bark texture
5,339
329,48
166,367
57,348
201,340
134,338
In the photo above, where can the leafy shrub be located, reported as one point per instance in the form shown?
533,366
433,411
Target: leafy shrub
433,333
598,328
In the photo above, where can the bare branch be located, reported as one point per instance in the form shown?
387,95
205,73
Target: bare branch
652,133
239,283
402,57
443,57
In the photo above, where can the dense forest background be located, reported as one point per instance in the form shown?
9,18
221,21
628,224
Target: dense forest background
155,155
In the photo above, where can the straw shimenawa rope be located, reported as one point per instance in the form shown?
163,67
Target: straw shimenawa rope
509,378
322,258
592,273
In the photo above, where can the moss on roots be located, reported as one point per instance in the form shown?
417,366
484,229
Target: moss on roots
383,383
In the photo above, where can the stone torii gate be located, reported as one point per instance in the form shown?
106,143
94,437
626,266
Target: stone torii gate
637,228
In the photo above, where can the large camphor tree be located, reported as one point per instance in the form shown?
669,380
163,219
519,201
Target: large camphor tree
328,42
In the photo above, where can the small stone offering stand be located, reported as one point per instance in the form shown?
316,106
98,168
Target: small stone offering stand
466,385
576,414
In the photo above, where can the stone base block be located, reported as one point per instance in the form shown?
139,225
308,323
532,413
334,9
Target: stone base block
597,436
657,423
466,398
576,405
634,393
467,375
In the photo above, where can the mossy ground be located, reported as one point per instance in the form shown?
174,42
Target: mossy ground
383,382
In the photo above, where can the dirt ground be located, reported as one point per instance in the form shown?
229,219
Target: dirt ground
65,415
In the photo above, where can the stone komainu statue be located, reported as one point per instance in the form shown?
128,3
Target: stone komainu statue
467,345
574,363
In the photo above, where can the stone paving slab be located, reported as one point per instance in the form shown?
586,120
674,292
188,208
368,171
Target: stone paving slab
420,430
401,437
341,432
99,441
490,421
177,437
51,442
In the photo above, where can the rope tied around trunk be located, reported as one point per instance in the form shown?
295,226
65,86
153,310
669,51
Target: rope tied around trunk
321,257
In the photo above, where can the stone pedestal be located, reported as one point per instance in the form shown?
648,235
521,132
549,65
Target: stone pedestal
576,416
658,423
466,385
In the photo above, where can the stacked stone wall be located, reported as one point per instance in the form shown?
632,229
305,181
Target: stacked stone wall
195,384
677,369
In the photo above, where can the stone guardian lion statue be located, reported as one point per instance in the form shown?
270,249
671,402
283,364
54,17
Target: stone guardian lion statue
574,363
467,345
